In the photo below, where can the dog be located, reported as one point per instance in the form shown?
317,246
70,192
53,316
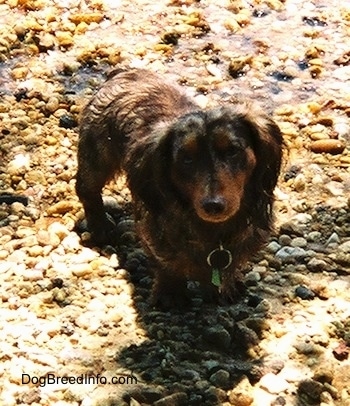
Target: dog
201,181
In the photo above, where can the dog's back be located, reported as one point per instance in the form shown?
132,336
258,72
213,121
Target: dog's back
128,105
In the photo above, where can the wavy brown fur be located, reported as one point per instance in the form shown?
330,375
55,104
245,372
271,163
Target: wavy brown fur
199,178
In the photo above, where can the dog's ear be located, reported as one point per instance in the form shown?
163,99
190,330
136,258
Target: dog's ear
267,144
268,149
148,168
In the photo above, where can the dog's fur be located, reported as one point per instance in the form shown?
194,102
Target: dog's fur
199,178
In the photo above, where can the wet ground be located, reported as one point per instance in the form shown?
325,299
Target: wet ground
67,310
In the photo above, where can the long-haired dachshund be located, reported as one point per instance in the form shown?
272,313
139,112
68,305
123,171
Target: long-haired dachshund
202,181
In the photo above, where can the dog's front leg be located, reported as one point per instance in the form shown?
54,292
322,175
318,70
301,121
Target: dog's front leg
89,187
169,289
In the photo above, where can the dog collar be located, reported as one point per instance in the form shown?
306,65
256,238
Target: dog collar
219,259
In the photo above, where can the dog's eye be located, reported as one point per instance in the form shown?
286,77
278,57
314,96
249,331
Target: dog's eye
232,152
186,160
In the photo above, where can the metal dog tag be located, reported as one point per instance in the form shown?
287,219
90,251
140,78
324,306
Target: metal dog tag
220,258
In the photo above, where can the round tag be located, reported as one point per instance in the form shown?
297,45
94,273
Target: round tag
219,258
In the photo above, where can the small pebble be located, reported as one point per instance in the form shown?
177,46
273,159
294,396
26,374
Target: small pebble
286,254
274,384
279,401
220,378
311,390
273,247
33,275
314,236
81,270
344,247
67,121
218,336
330,146
284,240
333,239
317,265
299,242
304,293
241,394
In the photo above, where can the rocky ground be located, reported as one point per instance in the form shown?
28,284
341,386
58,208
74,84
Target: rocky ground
70,313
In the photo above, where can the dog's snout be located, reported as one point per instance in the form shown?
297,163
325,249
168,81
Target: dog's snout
213,205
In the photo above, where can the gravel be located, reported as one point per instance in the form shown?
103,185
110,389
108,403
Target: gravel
73,317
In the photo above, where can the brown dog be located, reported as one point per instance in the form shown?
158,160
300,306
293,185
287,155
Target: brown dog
202,181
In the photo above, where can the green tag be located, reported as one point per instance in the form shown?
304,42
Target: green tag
216,277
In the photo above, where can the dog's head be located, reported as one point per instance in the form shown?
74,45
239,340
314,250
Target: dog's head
212,162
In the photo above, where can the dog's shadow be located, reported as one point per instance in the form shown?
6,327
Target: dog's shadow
190,356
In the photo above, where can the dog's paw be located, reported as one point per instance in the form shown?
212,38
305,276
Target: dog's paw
232,293
210,293
101,233
104,234
167,297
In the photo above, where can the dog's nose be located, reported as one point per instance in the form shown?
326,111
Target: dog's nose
213,205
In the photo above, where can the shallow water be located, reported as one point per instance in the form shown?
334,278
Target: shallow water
282,44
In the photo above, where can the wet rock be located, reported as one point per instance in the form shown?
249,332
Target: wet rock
333,239
32,396
345,247
81,270
314,236
310,390
252,278
239,65
61,207
10,199
315,21
299,242
341,352
341,258
317,265
297,225
273,247
279,401
335,188
291,254
285,240
217,336
45,41
308,348
36,177
260,12
88,18
67,121
220,378
282,76
52,104
330,146
341,378
324,374
170,38
240,395
304,293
